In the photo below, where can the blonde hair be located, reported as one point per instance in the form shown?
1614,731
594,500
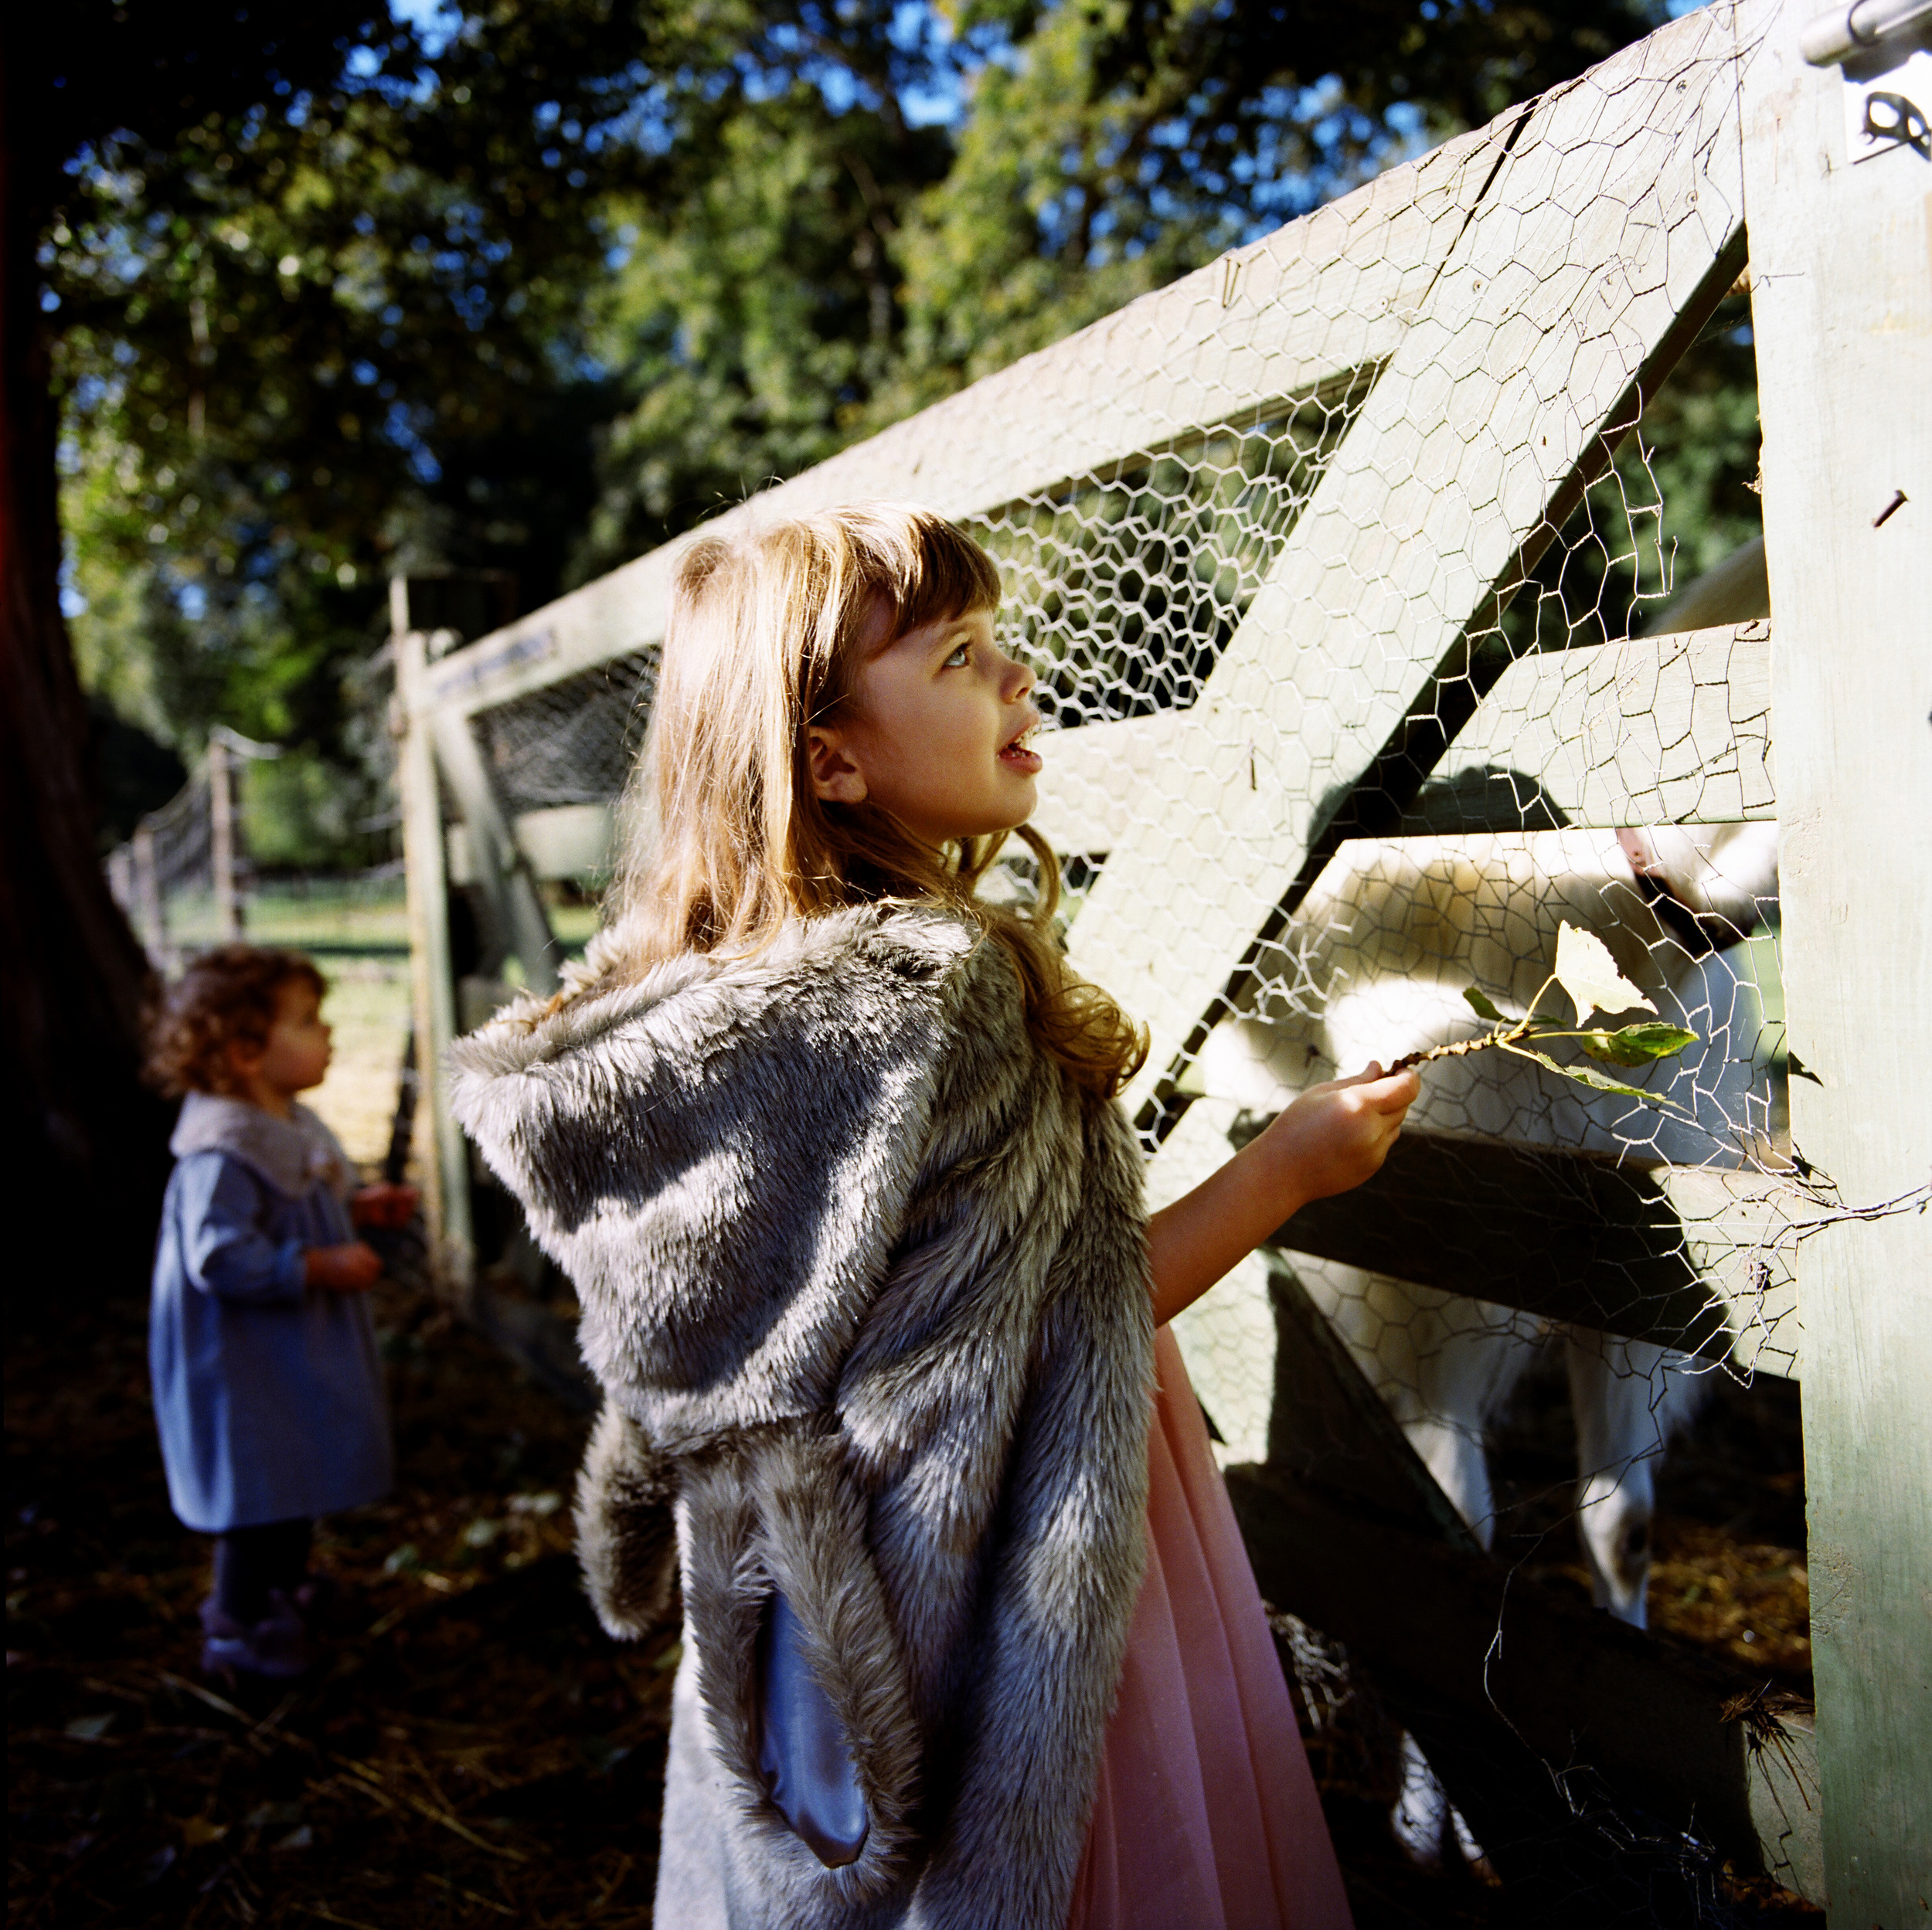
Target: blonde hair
725,838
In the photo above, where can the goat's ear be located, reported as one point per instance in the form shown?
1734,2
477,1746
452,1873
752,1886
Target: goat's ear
627,1532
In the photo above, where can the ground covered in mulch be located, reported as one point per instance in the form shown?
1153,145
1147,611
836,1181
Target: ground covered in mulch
1728,1571
475,1750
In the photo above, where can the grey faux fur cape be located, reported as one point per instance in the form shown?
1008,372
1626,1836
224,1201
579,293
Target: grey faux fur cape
865,1279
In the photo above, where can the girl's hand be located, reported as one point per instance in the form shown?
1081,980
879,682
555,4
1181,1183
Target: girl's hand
1333,1137
1336,1135
351,1268
383,1205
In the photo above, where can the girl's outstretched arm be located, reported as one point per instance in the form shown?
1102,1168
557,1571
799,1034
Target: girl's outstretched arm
1333,1137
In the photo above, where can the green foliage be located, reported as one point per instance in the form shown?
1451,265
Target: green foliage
1636,1045
1580,1075
1111,146
1482,1004
539,297
133,773
754,316
1589,976
296,334
1681,496
302,811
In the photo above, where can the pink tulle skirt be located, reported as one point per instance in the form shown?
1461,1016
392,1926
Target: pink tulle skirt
1205,1816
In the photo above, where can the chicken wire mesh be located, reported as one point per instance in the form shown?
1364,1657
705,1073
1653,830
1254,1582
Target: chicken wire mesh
573,742
164,876
187,883
1346,570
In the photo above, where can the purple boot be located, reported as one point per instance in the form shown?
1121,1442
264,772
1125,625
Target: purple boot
276,1648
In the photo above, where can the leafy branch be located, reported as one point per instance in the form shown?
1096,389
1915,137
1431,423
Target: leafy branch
1586,970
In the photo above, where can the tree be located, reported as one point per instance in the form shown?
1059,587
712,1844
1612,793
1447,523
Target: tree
260,264
1111,146
753,324
87,1137
314,337
320,300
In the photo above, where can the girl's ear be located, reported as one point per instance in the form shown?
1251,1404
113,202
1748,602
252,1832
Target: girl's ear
835,775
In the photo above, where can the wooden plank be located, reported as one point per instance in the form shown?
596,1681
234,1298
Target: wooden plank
1096,777
1670,729
1690,1257
221,813
1292,316
561,841
446,1172
1614,225
567,841
609,618
1330,1427
1841,311
1673,729
1503,1680
499,868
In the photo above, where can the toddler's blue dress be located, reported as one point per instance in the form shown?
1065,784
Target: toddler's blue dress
268,1394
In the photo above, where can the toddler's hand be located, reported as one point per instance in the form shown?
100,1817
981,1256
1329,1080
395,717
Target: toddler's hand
351,1268
384,1205
1336,1135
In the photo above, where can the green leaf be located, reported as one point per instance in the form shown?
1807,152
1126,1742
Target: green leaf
1637,1044
1482,1006
1586,970
1582,1078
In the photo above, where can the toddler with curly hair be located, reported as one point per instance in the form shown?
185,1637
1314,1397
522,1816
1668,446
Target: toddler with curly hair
268,1391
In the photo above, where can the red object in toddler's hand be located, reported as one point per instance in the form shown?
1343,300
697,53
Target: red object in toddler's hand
352,1268
384,1205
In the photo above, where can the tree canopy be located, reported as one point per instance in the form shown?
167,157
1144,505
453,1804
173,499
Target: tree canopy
537,289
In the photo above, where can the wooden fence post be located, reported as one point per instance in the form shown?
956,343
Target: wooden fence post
499,869
153,928
1842,309
446,1171
221,816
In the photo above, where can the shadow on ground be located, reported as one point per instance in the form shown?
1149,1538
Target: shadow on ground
475,1750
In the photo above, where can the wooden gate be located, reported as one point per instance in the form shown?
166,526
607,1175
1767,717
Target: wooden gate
1271,533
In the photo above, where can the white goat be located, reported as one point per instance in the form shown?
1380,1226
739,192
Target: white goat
1373,967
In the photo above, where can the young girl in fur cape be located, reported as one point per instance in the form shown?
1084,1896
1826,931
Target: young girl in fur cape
829,1145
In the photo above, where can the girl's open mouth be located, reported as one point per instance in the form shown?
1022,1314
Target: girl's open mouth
1019,756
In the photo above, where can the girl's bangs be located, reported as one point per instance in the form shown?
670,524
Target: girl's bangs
939,573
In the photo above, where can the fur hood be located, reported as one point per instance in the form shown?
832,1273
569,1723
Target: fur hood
864,1277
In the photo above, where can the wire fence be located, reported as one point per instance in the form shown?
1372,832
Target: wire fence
186,881
1353,571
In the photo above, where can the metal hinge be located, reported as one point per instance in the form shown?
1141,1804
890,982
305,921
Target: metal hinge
1885,48
1839,37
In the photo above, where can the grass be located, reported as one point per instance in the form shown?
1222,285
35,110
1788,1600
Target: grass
357,930
368,1006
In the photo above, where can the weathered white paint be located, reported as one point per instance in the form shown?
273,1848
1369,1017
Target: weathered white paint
1614,213
446,1170
1842,310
